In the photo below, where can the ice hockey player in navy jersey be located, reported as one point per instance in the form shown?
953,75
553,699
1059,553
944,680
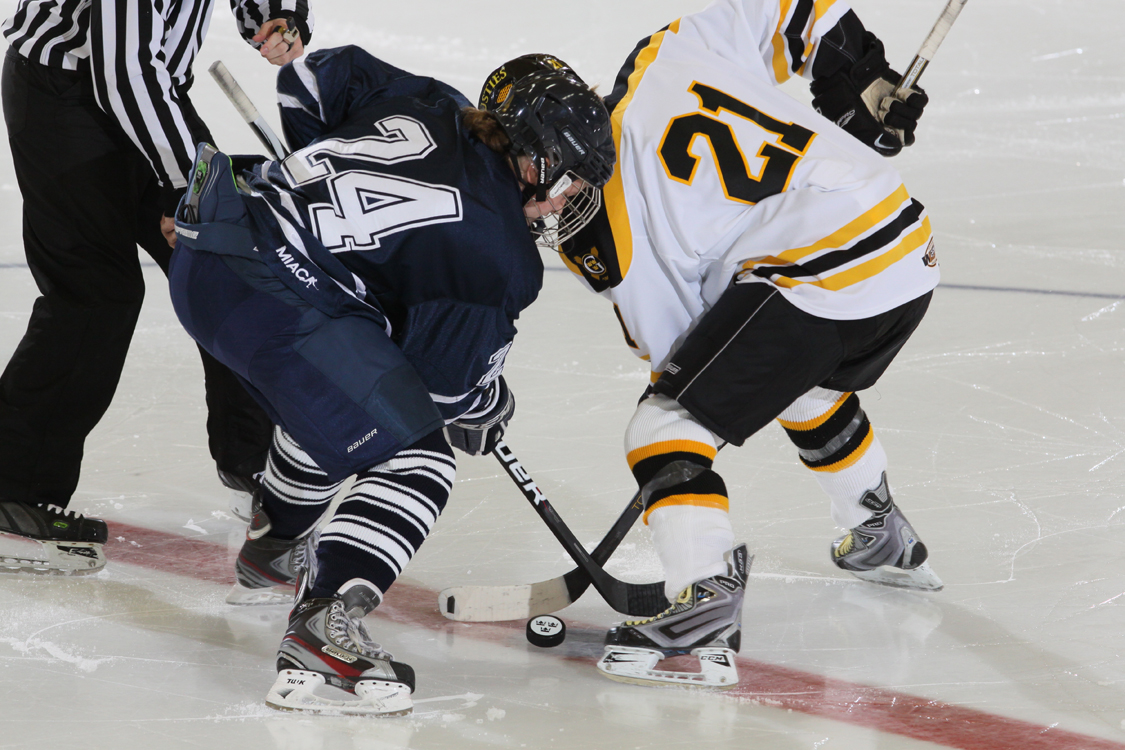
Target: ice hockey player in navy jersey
366,290
767,262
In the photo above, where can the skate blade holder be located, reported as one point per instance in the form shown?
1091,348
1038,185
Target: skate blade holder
922,578
244,596
295,690
20,554
637,666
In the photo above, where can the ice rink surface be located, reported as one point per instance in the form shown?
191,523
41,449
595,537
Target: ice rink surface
1003,419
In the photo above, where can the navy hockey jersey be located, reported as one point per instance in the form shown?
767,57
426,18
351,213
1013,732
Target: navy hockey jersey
406,213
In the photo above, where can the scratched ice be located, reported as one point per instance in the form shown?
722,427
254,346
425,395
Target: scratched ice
1003,419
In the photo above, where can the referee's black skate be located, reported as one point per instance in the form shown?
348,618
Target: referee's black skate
327,650
885,549
50,539
267,568
705,621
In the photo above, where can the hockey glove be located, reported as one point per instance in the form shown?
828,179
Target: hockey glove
478,432
860,101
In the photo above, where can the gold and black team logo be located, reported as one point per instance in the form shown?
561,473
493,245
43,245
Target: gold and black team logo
503,95
930,258
593,264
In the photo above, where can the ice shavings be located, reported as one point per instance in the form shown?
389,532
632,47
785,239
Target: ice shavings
53,652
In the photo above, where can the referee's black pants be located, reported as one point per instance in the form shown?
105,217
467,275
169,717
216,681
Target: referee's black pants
89,198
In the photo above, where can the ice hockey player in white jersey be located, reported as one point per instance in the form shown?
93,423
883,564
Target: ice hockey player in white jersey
768,262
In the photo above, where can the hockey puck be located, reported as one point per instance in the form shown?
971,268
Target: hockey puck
546,631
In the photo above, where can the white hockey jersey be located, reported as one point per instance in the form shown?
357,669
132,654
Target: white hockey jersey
720,175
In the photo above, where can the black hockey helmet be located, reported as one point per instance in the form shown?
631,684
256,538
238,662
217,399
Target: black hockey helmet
499,83
556,120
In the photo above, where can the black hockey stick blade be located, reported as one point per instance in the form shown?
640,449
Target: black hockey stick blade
520,601
638,600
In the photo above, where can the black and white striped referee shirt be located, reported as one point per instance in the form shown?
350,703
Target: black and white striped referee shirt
140,54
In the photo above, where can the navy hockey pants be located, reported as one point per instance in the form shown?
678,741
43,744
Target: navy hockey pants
338,385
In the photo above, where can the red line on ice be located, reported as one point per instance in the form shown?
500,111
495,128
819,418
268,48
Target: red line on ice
779,687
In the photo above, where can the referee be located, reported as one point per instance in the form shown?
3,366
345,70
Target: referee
103,134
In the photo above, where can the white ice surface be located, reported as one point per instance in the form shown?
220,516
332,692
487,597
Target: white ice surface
1003,420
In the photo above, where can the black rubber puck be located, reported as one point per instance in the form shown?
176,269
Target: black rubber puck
546,631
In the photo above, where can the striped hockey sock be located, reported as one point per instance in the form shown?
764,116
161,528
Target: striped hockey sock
835,440
385,517
295,492
686,505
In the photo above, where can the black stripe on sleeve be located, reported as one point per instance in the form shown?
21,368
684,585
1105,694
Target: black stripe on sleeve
835,259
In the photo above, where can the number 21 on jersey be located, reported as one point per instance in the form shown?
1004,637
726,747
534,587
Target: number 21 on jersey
779,154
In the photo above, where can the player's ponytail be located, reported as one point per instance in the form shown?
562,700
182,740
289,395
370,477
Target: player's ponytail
486,128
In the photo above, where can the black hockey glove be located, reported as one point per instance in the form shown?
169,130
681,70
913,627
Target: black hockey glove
859,101
479,432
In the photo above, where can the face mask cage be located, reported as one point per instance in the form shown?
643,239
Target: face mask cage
554,229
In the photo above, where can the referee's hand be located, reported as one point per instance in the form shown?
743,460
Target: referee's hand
274,43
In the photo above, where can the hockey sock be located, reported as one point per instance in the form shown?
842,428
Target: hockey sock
835,440
690,541
385,517
686,502
295,492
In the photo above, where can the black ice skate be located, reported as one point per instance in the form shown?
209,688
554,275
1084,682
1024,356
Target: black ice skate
267,567
49,539
705,621
327,649
242,491
884,549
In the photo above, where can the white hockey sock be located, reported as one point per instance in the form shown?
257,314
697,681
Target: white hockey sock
847,487
691,542
836,441
661,425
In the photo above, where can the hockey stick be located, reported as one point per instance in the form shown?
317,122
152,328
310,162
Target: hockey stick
638,599
247,109
523,601
930,45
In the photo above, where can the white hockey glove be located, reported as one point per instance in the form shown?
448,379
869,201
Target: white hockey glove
478,432
860,101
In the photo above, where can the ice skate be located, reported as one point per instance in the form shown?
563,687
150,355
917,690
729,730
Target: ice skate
266,569
705,621
50,539
327,650
241,494
884,549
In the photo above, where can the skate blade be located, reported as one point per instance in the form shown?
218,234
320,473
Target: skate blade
18,554
241,505
295,690
244,596
637,666
921,578
499,603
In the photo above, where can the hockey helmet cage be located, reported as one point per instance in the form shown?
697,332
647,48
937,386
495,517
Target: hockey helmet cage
557,121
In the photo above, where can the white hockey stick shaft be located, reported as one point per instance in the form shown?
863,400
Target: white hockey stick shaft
930,45
247,109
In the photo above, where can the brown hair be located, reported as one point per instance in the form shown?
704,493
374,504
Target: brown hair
486,128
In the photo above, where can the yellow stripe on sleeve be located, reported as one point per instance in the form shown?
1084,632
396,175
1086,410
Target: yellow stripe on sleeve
614,190
780,61
909,244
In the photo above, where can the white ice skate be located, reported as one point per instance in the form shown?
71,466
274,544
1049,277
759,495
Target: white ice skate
704,621
327,662
49,539
885,549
